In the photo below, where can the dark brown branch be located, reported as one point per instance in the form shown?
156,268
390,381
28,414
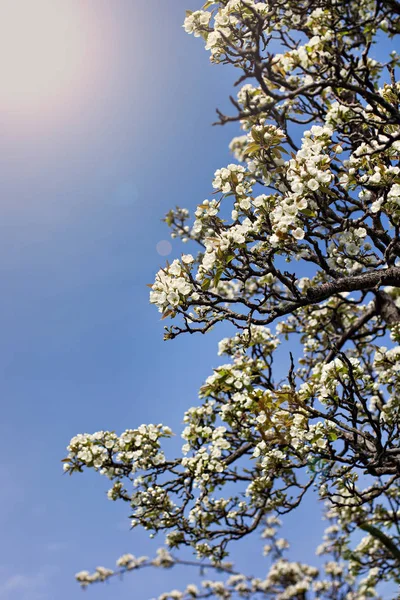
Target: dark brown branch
350,332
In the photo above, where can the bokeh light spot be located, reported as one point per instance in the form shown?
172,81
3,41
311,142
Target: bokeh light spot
164,248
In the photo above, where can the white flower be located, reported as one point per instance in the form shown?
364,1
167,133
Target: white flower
245,204
298,233
313,184
173,298
297,187
175,268
316,129
376,206
360,232
375,178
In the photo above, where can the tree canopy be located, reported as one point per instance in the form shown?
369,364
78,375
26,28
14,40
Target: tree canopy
299,250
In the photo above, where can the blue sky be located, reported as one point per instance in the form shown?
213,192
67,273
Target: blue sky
82,190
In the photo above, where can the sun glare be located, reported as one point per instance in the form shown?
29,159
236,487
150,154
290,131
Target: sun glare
42,54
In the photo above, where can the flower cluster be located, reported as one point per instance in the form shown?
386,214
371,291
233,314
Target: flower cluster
109,453
229,23
197,22
307,173
172,285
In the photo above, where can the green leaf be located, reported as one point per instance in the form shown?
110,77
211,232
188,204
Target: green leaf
327,191
218,275
253,147
307,212
168,313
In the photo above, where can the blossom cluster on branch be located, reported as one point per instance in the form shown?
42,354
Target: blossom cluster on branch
299,247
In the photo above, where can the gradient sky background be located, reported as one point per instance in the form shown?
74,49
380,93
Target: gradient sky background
88,168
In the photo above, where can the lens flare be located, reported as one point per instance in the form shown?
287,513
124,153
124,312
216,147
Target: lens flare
42,53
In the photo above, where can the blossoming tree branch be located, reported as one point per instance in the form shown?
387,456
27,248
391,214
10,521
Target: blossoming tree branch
299,250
